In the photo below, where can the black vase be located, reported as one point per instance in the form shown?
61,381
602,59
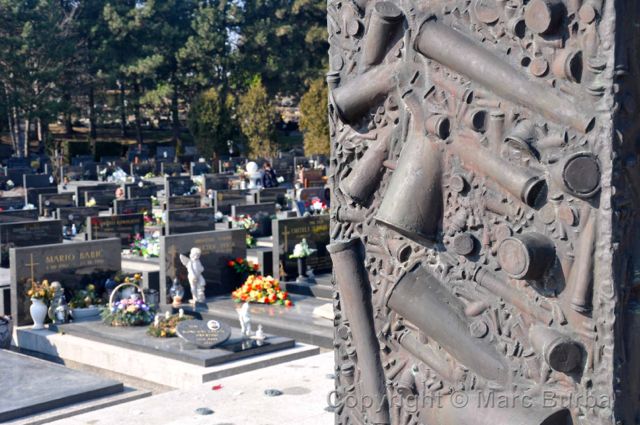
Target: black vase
302,269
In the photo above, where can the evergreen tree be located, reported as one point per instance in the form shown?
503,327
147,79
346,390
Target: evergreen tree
256,115
211,122
314,120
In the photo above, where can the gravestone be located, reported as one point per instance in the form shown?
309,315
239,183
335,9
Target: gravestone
165,153
224,199
190,220
80,190
48,203
17,162
74,265
178,186
132,206
103,198
261,214
170,168
82,160
218,247
273,194
16,174
15,216
124,227
216,182
203,334
290,231
183,202
76,215
32,195
199,168
141,170
28,233
140,190
73,173
38,180
284,168
12,202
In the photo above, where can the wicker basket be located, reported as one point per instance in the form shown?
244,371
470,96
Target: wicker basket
111,305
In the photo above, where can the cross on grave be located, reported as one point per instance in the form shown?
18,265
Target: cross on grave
286,234
31,265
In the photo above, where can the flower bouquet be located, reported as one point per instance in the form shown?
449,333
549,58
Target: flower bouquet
247,223
165,326
40,294
242,266
146,247
85,303
263,290
128,311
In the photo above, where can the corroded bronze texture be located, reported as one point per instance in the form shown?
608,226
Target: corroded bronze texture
486,185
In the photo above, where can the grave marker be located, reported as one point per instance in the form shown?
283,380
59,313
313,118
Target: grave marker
124,227
190,220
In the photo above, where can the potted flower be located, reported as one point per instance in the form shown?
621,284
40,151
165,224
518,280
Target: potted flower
247,223
300,252
146,247
263,290
39,293
85,303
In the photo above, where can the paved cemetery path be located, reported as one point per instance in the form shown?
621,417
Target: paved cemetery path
238,400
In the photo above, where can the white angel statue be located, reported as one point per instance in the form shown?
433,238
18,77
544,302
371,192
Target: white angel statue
245,320
194,270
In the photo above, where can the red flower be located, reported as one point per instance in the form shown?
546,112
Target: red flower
239,260
288,303
256,267
231,263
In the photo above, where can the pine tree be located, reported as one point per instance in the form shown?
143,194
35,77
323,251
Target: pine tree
314,120
211,121
257,120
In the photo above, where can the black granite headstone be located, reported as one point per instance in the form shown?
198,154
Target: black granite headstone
216,182
140,190
103,198
125,227
288,232
74,265
261,214
80,191
224,199
190,220
38,180
28,233
141,170
76,215
178,186
32,195
15,216
16,174
203,334
72,172
199,168
165,153
217,247
183,202
273,194
170,168
12,202
284,168
49,202
132,206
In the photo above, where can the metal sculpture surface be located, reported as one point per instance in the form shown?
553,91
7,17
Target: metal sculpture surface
486,176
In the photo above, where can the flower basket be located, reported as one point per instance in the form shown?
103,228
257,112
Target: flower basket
127,312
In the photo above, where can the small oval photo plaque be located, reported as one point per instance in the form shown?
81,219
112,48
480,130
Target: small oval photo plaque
204,334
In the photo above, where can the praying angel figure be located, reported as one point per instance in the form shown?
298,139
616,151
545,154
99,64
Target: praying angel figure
194,270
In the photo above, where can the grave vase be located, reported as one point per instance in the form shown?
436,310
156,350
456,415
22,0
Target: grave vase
38,312
302,269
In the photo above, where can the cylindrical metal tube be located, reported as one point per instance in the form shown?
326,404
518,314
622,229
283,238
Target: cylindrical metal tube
524,184
428,356
501,289
350,215
420,298
355,97
413,202
354,289
526,256
560,352
448,411
495,129
385,19
367,172
457,51
581,277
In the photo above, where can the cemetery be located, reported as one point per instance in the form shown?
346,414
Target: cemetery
314,212
176,279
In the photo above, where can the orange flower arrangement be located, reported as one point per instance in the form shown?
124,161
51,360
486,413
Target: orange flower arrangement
263,290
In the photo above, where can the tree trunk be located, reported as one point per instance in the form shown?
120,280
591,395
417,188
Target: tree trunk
175,116
25,137
93,131
123,110
138,115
